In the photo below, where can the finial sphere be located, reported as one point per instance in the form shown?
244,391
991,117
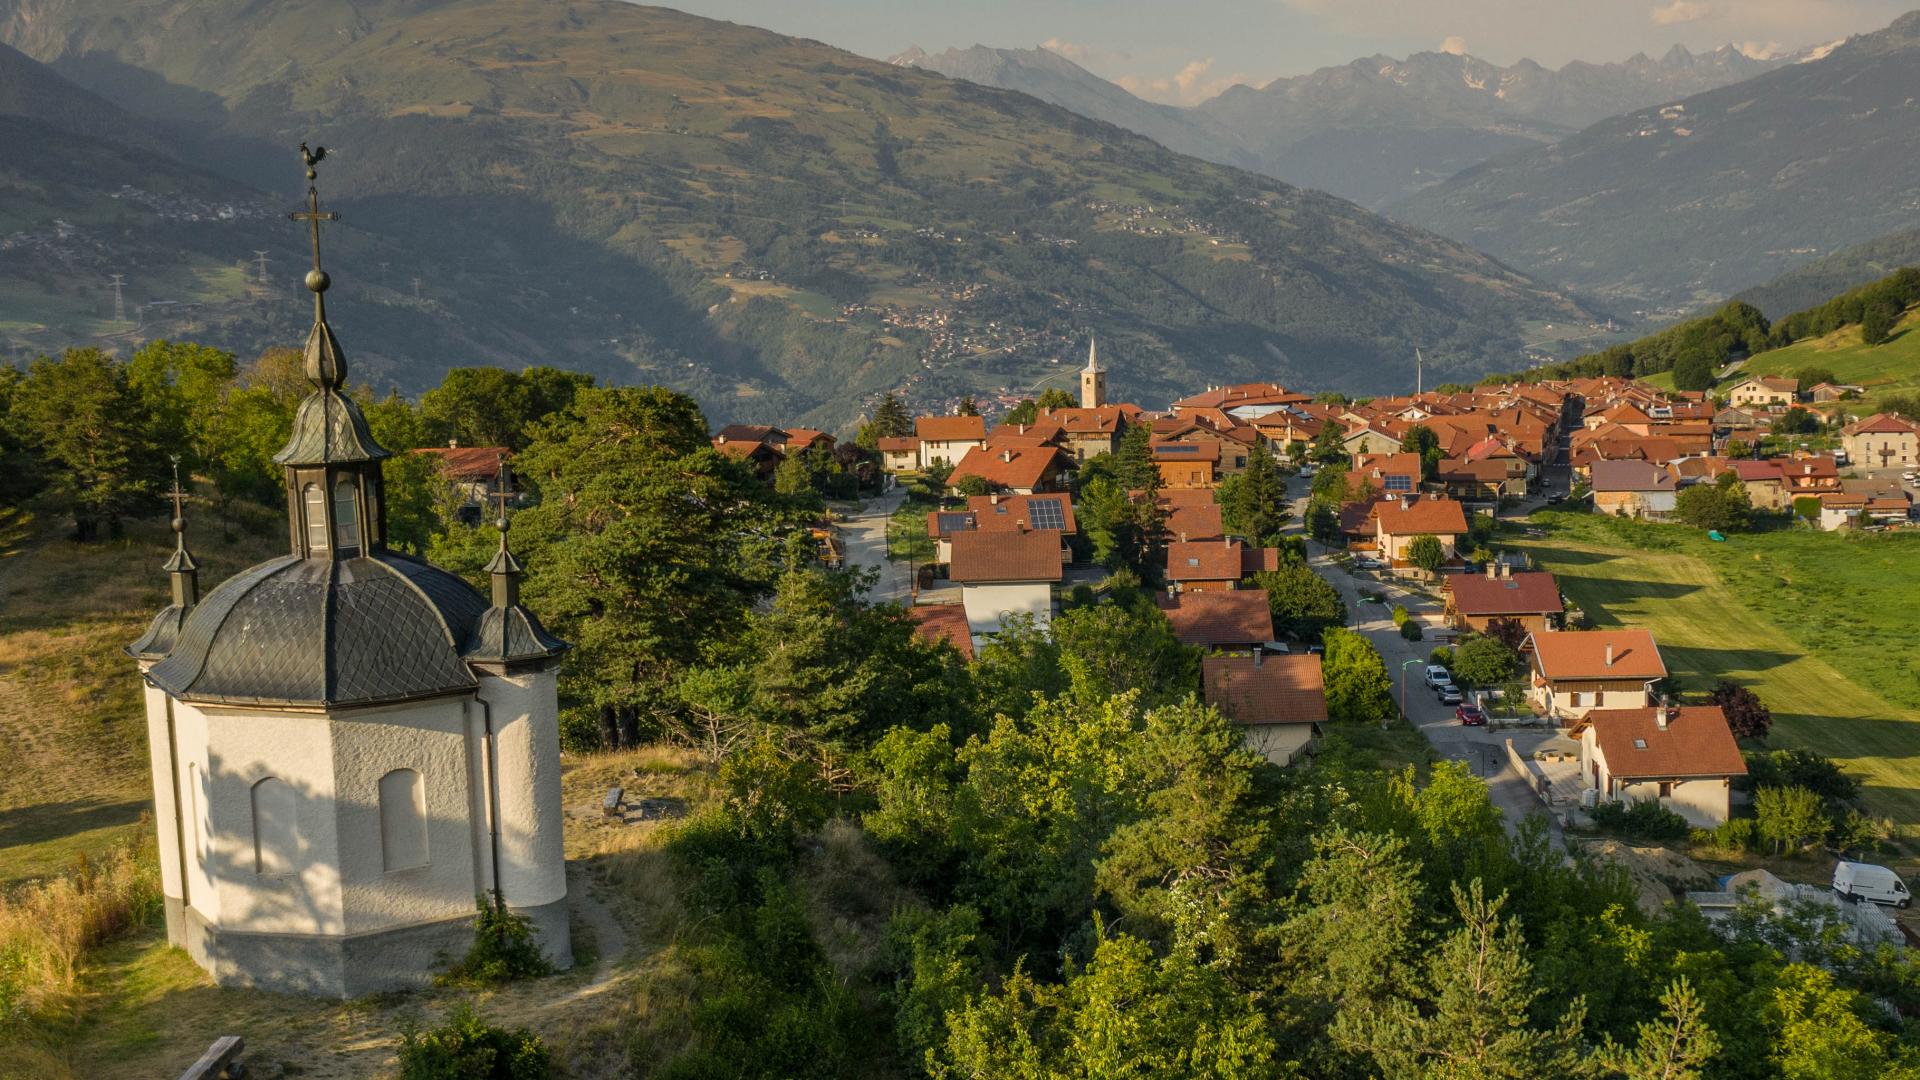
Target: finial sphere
317,281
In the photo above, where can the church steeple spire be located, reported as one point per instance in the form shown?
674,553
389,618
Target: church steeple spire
1093,379
183,577
504,571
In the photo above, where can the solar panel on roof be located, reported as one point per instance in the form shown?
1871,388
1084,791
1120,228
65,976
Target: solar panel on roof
1179,448
1046,514
953,523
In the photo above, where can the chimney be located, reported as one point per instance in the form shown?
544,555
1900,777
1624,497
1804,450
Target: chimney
1506,569
1183,537
1258,654
1020,524
1609,654
995,497
1491,571
1006,456
453,443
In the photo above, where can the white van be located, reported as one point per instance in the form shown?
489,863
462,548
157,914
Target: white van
1865,881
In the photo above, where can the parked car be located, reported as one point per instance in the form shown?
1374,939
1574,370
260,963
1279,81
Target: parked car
1909,476
1438,676
1449,694
1864,881
1369,564
1471,715
1556,499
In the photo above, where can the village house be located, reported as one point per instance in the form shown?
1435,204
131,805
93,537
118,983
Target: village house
473,472
1004,575
1764,392
1192,520
1530,598
762,457
1824,392
1021,470
1187,464
899,453
948,438
1882,441
1575,672
1245,401
1682,757
1482,482
1203,565
1241,620
1765,484
1397,523
1393,475
1864,502
1632,489
1003,514
1276,700
1810,475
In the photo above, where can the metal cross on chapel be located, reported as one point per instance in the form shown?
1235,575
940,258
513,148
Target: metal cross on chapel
313,216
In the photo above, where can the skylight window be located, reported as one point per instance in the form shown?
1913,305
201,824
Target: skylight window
1639,744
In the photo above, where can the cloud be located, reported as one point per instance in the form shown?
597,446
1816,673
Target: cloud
1680,11
1455,45
1192,84
1760,50
1084,55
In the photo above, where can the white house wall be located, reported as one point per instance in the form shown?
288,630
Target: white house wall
987,606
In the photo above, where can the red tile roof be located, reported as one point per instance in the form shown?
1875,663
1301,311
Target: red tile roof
1694,742
1265,690
1007,466
1203,560
1583,654
468,463
1195,521
1241,617
982,557
1527,593
1629,475
951,428
1011,513
898,444
1411,517
1253,560
943,622
1881,424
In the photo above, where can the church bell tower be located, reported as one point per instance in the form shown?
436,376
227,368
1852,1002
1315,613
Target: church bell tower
1093,379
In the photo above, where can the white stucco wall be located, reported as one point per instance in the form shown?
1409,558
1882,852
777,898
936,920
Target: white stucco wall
431,738
242,748
1562,703
165,782
526,727
1278,743
987,605
1704,803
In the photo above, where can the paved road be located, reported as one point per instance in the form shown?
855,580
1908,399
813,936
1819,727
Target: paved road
865,537
1483,751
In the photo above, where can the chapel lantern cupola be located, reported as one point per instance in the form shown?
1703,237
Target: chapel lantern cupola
335,492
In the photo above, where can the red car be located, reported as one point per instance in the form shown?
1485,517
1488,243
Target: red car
1470,715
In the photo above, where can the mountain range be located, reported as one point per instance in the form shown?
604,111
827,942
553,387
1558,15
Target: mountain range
779,227
1374,130
1830,275
1667,208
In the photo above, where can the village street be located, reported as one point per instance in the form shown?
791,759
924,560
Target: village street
1483,751
864,535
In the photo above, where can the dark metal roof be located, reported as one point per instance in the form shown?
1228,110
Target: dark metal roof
329,428
161,634
315,632
511,635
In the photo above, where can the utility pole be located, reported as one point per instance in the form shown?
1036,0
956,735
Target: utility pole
416,288
260,259
119,298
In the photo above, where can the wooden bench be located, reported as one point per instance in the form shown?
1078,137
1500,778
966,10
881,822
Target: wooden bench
220,1062
611,807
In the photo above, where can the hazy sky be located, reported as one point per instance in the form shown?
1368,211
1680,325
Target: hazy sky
1192,49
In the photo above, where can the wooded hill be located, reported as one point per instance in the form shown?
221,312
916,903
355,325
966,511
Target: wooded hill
777,226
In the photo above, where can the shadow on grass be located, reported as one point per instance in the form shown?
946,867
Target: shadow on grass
51,821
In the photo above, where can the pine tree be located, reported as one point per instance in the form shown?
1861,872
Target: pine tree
1260,498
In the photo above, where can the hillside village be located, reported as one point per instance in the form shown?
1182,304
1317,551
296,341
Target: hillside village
1425,482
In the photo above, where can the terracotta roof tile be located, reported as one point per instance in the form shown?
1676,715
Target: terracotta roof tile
1265,690
1411,517
1582,654
943,622
951,428
1195,521
468,463
1526,593
998,556
1695,742
1241,617
1204,560
1007,466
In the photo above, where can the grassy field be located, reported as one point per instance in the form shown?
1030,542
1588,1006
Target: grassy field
1817,624
1891,367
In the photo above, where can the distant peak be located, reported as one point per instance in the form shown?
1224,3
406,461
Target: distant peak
911,58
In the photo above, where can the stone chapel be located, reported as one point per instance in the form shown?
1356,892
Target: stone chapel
348,744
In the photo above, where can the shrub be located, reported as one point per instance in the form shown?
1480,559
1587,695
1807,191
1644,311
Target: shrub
504,949
468,1048
1401,615
1734,834
1639,820
1410,630
46,929
1441,655
1790,817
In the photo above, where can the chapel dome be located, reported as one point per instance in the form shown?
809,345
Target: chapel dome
376,628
